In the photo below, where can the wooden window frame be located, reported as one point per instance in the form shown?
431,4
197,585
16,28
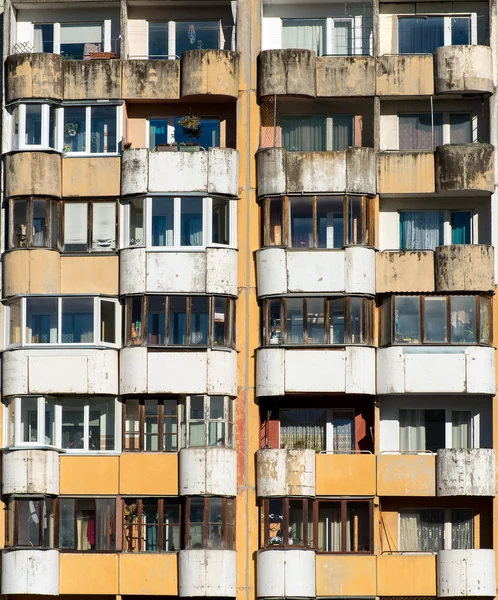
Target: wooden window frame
30,200
89,225
141,428
308,508
206,523
344,507
140,526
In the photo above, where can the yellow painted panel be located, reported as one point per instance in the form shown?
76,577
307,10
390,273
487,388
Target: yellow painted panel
90,275
89,475
345,575
91,176
406,575
88,573
406,475
155,474
406,172
345,475
41,174
31,272
148,574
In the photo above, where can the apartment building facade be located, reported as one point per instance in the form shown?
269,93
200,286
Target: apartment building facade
248,281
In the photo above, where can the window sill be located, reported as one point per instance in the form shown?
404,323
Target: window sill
186,249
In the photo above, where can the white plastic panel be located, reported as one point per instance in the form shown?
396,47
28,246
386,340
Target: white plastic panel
360,270
30,472
360,370
208,471
286,574
285,472
207,573
132,271
30,572
133,370
271,271
222,271
466,472
466,573
315,371
270,371
134,171
221,372
177,372
176,272
316,271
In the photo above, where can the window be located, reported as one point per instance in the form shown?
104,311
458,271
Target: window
207,421
330,321
318,221
317,133
434,529
84,524
151,524
34,127
306,34
34,223
287,522
425,131
180,321
436,320
424,34
91,129
89,226
210,523
63,321
171,39
187,222
167,130
73,40
150,425
76,424
428,229
432,429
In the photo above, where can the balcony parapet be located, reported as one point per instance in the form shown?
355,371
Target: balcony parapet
151,79
463,70
286,574
34,76
30,471
285,472
465,167
466,472
470,573
405,75
41,174
30,571
210,72
208,471
207,573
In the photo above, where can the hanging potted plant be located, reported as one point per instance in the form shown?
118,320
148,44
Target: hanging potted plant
192,128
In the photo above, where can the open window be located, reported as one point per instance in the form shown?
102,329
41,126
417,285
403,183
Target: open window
34,126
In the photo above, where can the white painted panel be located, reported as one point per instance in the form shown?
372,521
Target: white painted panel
466,472
211,471
133,370
316,271
176,272
315,371
137,38
360,270
360,370
103,372
132,271
481,373
270,572
223,171
322,172
466,573
271,33
58,374
270,371
207,573
389,132
134,171
390,370
221,271
14,373
178,172
434,373
286,574
30,572
221,372
271,472
30,472
271,271
177,372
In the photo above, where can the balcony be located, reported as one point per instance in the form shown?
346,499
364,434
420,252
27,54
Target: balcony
64,371
89,573
88,79
465,268
208,371
405,75
34,75
148,473
91,176
30,572
345,475
468,573
404,271
148,574
214,171
285,473
285,574
282,271
151,80
466,472
346,576
92,475
345,76
437,370
207,573
41,174
349,370
463,70
208,471
465,167
350,171
406,173
400,575
30,472
210,72
406,475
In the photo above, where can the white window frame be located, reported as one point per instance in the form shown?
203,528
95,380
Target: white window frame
45,127
446,25
447,231
88,127
172,36
106,30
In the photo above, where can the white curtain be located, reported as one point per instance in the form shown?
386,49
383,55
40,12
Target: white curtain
342,38
75,223
412,430
421,230
38,39
305,34
104,225
460,428
421,530
462,531
303,428
329,527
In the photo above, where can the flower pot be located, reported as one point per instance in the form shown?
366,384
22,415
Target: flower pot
161,148
189,148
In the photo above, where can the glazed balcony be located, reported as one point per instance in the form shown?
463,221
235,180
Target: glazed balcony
282,473
470,573
207,573
208,471
463,70
285,574
30,471
34,75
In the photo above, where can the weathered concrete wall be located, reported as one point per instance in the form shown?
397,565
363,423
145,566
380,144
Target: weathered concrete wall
465,268
31,272
285,574
92,79
404,271
96,176
405,173
214,72
211,573
466,472
287,72
41,174
338,76
463,69
151,79
285,473
35,75
466,573
465,167
208,471
30,572
405,75
30,472
135,171
406,475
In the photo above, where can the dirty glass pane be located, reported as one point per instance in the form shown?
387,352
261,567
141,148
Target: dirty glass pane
275,522
407,320
19,237
463,319
295,333
66,522
301,222
28,522
435,329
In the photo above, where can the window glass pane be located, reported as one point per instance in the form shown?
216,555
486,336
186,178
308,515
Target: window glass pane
221,221
132,425
162,221
460,128
460,31
196,523
207,135
343,431
136,232
33,124
336,307
79,40
170,426
28,522
52,127
11,422
342,132
294,321
485,320
73,424
330,222
230,523
461,227
407,320
420,132
305,34
20,223
343,38
50,422
48,522
197,424
156,314
171,522
215,523
461,429
220,322
178,320
54,224
29,420
191,222
315,320
412,430
158,39
435,320
43,37
85,524
303,428
216,432
103,131
39,223
301,222
197,35
74,128
77,321
15,128
329,527
463,319
462,529
358,527
356,321
296,522
304,134
150,524
134,320
108,322
66,523
420,35
105,524
434,429
275,535
14,322
101,424
158,129
41,320
75,226
274,326
104,226
275,236
151,425
355,221
421,530
421,230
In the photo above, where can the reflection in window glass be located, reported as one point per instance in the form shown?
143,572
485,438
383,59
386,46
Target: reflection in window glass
197,35
158,39
108,322
460,31
463,319
337,321
75,128
39,223
15,322
407,320
29,420
156,312
196,523
221,221
191,221
330,222
435,329
301,222
28,518
158,130
136,230
294,321
178,323
33,124
101,425
315,320
207,136
151,425
41,320
485,320
20,223
77,321
73,425
199,320
103,132
162,221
